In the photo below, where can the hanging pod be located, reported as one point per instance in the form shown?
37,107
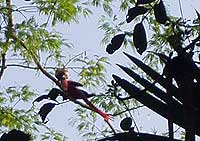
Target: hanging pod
126,123
134,12
144,1
139,38
45,110
115,44
160,13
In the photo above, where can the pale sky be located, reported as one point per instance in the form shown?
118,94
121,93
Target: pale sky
86,36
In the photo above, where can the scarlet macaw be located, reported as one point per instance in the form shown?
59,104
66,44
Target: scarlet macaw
70,87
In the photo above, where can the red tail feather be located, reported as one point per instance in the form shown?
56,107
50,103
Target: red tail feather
104,115
95,109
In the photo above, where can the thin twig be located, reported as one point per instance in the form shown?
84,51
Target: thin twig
92,123
22,14
181,10
3,65
26,7
135,124
36,68
19,100
74,57
128,110
191,45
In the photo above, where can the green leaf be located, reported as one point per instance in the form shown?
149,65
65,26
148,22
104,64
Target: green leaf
61,10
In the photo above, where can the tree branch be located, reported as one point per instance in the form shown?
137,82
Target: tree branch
191,45
36,68
127,110
3,65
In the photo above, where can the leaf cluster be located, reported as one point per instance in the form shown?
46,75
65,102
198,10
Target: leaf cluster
13,116
37,39
93,72
60,10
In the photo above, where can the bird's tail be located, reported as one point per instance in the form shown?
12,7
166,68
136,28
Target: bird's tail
103,114
95,109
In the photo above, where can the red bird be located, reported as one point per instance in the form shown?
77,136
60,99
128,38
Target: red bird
70,87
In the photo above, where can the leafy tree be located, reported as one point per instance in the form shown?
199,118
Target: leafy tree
27,42
170,35
32,40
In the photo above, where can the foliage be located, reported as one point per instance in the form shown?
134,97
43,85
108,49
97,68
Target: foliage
32,40
170,34
60,10
92,74
38,43
13,116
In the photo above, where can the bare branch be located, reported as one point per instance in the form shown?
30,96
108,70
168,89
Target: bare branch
36,68
3,65
74,57
181,10
127,110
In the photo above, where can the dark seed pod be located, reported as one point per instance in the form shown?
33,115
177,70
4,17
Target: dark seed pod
126,124
54,93
15,135
160,13
118,40
116,43
144,1
45,110
110,49
134,12
139,38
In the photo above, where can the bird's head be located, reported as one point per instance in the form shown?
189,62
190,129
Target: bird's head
62,73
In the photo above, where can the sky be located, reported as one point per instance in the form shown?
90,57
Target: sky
87,37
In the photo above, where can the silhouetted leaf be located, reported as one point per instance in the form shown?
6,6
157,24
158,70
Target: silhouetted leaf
139,38
152,88
134,12
45,109
109,49
160,13
54,93
40,98
116,43
15,135
126,123
144,1
198,14
156,76
118,40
